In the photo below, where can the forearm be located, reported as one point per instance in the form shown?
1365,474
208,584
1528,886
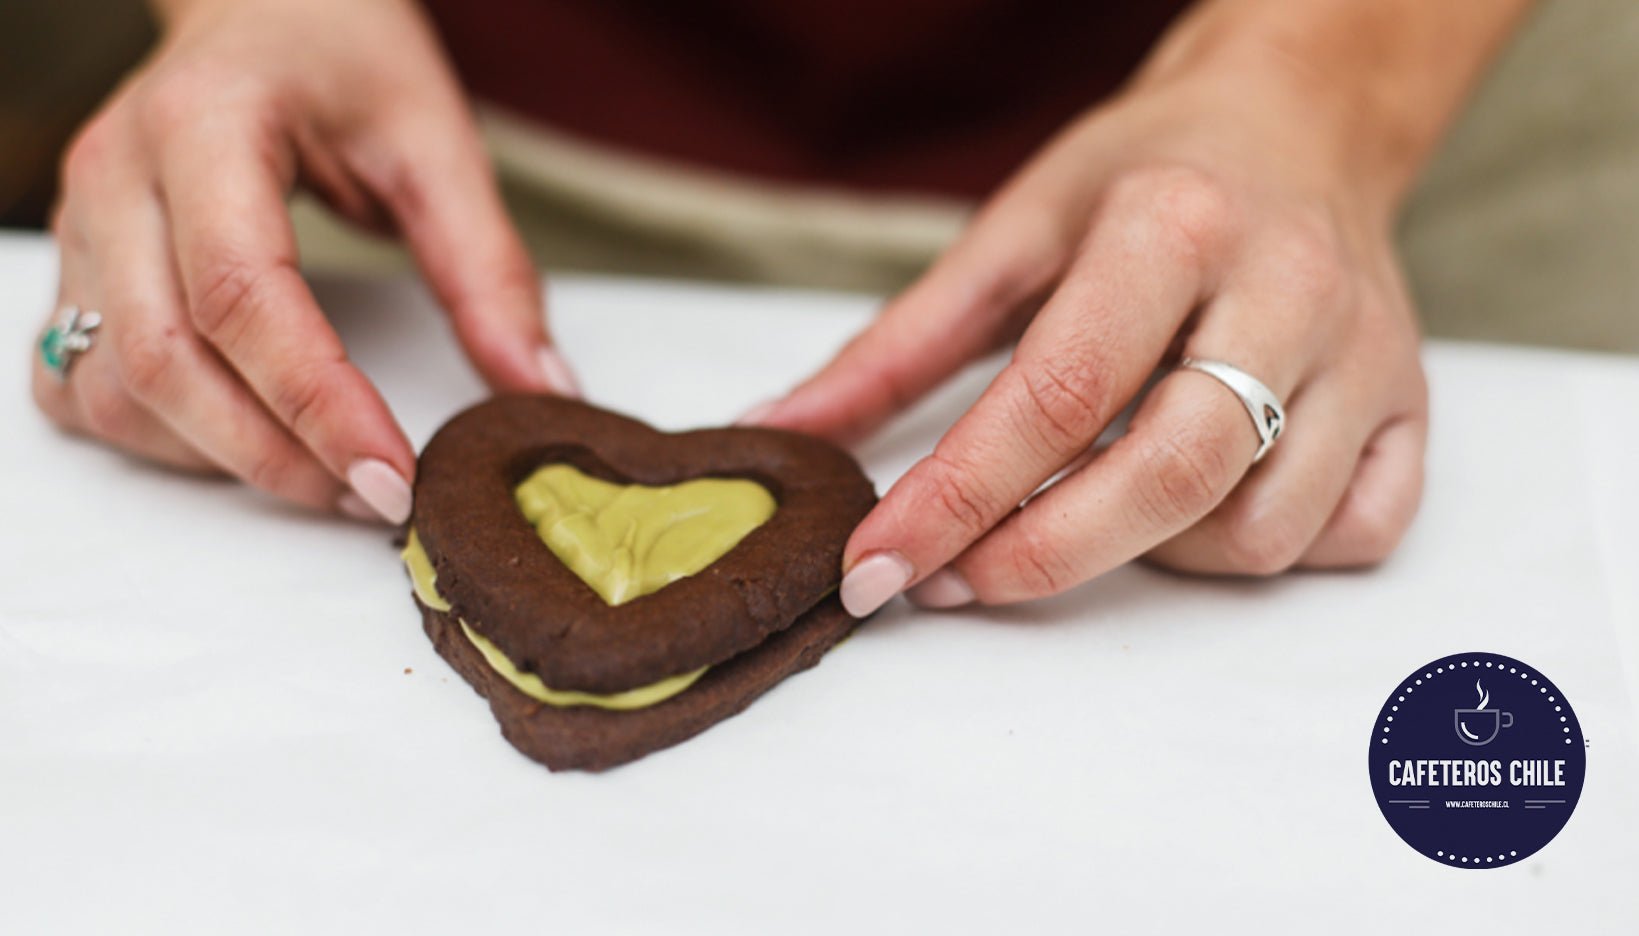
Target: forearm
1378,80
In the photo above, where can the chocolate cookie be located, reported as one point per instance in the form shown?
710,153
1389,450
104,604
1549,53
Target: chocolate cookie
527,632
498,577
586,738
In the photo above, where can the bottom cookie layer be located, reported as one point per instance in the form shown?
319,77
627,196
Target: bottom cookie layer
586,738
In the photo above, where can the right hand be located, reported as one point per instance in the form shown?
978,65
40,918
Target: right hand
213,354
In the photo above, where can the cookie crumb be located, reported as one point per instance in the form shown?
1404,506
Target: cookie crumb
408,671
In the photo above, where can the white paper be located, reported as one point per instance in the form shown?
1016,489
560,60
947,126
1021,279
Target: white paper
221,715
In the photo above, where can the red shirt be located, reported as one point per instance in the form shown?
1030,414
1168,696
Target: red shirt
944,96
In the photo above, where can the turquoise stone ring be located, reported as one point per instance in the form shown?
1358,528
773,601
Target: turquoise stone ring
68,338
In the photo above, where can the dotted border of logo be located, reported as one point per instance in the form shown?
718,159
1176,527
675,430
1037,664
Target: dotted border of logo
1478,665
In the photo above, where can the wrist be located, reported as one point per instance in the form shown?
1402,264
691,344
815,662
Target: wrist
1357,91
1268,115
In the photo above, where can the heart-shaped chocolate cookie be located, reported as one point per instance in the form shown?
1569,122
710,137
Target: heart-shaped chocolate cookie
497,575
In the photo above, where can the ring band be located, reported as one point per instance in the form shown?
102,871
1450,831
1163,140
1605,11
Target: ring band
1268,417
70,336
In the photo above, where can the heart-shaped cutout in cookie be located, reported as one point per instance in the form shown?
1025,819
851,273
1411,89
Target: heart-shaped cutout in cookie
630,540
498,576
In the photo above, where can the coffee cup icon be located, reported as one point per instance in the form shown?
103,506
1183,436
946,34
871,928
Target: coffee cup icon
1479,726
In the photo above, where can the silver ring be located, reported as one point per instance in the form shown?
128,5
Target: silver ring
1268,417
68,337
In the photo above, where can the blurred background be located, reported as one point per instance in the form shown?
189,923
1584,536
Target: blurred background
1525,229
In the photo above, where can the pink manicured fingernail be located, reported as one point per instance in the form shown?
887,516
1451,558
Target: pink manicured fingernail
557,373
756,414
943,589
875,579
379,486
354,506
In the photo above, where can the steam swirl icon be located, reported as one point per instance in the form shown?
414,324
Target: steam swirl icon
1480,725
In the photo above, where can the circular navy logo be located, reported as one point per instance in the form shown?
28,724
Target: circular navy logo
1477,760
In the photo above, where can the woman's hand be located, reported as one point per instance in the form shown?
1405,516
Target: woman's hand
1217,213
213,354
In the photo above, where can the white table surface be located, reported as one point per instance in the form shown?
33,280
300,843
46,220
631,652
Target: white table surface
206,723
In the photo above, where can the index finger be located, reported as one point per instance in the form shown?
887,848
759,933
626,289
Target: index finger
236,253
435,178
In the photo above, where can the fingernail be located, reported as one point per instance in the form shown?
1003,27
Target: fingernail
557,373
756,414
945,588
382,488
354,506
875,579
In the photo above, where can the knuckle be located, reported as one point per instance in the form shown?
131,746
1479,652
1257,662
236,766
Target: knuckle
397,178
107,414
515,269
1186,477
1013,261
145,358
1268,544
1310,260
1375,538
960,499
1028,277
301,395
171,101
1371,534
888,384
1063,402
184,95
1190,206
86,156
1041,567
508,296
225,289
271,469
1414,384
1382,357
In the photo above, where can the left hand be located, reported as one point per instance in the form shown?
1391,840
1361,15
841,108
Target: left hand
1211,218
